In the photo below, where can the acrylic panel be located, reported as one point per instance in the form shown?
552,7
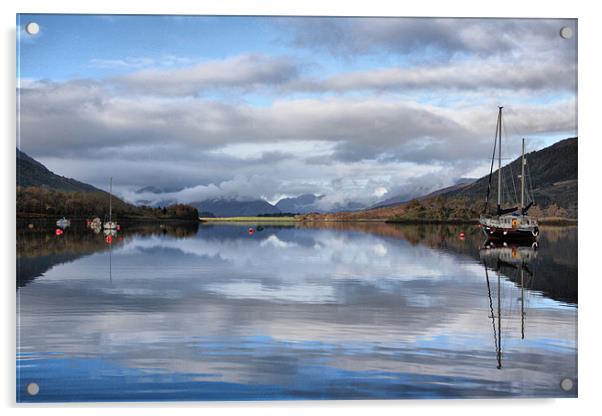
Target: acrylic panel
295,208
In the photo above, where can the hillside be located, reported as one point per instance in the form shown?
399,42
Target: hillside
400,199
553,174
42,193
31,173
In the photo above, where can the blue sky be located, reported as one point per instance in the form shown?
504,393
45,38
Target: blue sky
407,105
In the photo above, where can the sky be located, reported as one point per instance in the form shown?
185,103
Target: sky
355,109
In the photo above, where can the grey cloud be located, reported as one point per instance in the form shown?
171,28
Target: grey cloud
57,120
243,71
441,38
465,76
86,130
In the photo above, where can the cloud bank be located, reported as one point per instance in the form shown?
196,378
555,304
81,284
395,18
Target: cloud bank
353,109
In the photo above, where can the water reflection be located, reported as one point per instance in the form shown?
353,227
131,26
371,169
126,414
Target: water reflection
505,260
330,311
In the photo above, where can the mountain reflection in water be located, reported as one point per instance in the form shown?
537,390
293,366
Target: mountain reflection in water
325,311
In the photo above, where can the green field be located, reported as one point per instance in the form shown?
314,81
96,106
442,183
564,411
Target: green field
248,219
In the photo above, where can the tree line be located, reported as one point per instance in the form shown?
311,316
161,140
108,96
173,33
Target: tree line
45,202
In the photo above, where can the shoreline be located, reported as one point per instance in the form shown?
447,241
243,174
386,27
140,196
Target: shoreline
542,221
293,220
123,220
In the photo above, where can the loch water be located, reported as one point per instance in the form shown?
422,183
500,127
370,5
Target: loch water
293,311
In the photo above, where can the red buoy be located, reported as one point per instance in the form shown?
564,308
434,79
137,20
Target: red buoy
251,231
58,231
461,236
109,239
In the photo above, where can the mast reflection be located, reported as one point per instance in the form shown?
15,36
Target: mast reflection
506,260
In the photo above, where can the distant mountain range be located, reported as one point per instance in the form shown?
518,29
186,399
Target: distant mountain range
302,203
306,203
223,207
552,174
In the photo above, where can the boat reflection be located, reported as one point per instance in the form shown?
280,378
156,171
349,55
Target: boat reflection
509,261
38,250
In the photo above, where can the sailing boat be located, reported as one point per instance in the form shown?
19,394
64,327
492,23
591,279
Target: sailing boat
510,223
63,223
110,225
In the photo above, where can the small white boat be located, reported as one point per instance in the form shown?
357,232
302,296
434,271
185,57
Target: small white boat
110,225
95,223
63,223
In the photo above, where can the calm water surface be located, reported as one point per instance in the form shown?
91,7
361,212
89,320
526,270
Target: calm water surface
347,311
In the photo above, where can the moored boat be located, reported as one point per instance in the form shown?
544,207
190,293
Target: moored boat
63,223
508,223
110,225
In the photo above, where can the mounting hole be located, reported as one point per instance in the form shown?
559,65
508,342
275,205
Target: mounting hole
566,32
33,389
32,28
566,384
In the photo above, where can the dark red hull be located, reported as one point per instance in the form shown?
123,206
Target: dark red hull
510,234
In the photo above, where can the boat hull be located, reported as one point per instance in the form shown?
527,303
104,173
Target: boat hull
510,234
110,225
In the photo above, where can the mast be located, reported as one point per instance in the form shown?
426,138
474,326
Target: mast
522,179
110,195
499,164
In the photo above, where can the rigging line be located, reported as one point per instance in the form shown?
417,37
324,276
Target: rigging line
530,182
509,166
491,169
513,184
505,190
